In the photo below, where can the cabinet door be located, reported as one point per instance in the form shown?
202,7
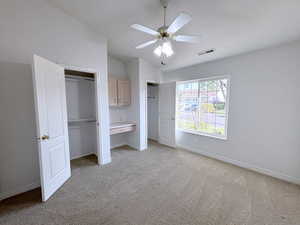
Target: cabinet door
123,92
112,91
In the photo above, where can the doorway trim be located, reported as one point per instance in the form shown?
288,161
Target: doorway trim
100,153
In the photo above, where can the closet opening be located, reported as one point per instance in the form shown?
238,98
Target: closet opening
82,117
152,111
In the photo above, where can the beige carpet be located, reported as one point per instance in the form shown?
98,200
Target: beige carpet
160,186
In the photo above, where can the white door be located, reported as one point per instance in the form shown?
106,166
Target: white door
52,125
167,101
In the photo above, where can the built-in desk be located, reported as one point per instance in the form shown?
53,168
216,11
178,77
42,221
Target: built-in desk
122,127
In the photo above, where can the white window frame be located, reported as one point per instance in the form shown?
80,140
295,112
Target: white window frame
217,136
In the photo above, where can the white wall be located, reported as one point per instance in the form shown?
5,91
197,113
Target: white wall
82,140
19,169
132,68
264,122
152,112
117,69
140,72
147,73
34,27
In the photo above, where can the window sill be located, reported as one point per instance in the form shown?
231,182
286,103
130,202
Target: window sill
203,134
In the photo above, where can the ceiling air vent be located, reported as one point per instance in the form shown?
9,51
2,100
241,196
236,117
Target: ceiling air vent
206,52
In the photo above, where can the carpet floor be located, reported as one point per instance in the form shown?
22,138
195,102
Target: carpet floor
160,186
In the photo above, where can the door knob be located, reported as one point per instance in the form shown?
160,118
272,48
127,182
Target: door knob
45,137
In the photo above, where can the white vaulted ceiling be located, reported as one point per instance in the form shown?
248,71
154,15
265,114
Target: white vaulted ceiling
230,26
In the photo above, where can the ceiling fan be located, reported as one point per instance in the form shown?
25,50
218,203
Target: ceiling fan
165,34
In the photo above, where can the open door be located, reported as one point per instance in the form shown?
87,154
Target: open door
167,101
52,125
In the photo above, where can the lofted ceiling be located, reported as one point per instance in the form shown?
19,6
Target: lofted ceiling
229,26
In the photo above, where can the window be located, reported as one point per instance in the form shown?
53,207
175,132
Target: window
202,106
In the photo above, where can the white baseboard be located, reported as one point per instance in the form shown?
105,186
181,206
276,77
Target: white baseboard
82,155
19,190
245,165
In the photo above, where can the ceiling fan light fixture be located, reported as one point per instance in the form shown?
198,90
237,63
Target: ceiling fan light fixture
167,34
164,50
157,51
167,49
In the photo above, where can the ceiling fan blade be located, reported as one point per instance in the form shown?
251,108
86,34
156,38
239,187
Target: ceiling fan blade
146,44
145,29
186,38
179,22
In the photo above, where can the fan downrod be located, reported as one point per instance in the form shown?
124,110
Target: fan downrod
163,29
164,3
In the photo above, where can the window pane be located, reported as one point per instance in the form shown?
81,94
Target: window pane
220,107
212,96
203,86
187,105
203,98
212,85
222,89
201,106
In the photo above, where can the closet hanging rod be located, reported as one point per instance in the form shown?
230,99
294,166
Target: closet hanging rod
78,78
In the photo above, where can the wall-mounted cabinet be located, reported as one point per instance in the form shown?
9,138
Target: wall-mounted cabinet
113,91
119,92
123,92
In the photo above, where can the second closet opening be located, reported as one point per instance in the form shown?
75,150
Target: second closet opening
152,111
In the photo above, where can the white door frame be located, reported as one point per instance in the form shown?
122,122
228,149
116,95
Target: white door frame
97,94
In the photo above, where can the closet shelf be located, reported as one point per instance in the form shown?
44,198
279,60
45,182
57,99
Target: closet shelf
82,120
